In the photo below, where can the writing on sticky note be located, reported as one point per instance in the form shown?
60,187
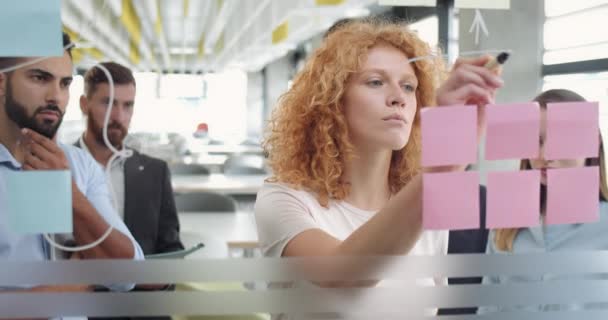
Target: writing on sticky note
513,199
573,195
30,28
449,135
482,4
408,3
572,130
39,201
513,131
450,201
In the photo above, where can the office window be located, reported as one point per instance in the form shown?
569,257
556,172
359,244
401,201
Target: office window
184,101
590,52
226,106
571,31
73,122
592,86
72,112
182,86
574,32
428,30
555,8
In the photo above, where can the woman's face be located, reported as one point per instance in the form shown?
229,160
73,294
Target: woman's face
380,100
540,163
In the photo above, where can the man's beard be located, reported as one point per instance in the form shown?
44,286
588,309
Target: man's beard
116,139
18,114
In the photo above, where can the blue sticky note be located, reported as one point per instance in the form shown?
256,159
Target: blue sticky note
31,28
39,201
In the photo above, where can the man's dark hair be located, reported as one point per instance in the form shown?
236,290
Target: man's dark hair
7,62
95,76
67,41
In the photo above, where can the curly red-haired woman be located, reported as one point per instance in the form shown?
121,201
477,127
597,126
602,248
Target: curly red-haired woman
344,146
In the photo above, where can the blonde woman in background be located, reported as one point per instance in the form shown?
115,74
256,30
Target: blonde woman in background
551,238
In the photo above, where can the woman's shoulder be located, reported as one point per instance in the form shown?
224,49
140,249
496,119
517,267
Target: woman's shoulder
280,189
273,193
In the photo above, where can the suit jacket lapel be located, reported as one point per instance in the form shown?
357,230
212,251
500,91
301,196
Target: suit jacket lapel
132,172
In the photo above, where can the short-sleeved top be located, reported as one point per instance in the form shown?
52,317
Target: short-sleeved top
91,181
283,212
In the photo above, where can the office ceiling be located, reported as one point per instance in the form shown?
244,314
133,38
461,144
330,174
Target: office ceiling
192,36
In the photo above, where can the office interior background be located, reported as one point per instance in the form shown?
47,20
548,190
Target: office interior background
226,63
209,74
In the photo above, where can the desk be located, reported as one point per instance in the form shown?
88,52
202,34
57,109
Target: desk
214,162
226,184
237,229
226,149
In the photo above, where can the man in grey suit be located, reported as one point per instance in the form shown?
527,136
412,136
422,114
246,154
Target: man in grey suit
142,184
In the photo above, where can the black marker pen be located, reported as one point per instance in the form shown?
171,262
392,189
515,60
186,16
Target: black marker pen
498,61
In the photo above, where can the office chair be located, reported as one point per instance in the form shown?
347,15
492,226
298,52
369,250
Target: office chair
205,202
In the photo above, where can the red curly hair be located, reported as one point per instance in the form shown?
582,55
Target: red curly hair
307,138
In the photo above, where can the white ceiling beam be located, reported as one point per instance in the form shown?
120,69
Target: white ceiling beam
185,8
144,50
104,20
304,22
115,6
131,20
245,25
202,7
99,18
220,22
74,20
278,12
260,26
195,21
262,5
202,62
147,15
154,7
150,10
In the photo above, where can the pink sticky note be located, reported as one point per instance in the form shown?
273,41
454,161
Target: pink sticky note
450,200
572,130
513,199
512,131
573,195
449,135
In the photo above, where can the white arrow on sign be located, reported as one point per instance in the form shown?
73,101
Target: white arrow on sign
478,24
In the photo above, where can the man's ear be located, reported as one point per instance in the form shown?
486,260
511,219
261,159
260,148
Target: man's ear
84,105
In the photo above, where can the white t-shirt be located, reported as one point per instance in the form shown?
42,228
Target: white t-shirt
282,213
117,179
